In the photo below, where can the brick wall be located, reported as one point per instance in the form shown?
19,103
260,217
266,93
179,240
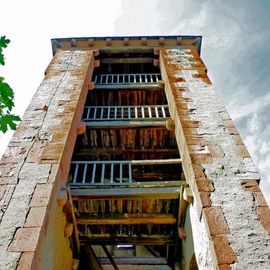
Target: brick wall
229,216
36,163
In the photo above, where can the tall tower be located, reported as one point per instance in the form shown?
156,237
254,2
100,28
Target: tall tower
125,158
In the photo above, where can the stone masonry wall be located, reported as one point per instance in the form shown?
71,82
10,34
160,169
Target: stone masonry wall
230,218
36,164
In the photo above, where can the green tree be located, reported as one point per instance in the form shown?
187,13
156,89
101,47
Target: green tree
7,120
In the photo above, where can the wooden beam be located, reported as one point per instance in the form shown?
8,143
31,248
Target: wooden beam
130,60
101,151
111,259
114,50
134,261
130,219
140,240
123,193
133,162
128,86
126,185
125,124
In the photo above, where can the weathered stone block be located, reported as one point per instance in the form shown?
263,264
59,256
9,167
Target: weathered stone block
42,195
35,217
26,261
25,239
34,172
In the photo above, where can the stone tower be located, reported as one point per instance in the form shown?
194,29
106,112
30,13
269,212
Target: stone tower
125,158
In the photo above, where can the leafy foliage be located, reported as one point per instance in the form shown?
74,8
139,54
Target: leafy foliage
7,120
3,44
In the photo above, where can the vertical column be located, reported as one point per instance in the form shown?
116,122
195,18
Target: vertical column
36,164
226,215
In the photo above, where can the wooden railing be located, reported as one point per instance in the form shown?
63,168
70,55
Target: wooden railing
109,172
127,78
94,113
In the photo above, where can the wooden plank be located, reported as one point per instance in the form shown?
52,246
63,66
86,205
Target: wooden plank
111,259
133,162
122,193
129,123
134,260
129,60
140,240
130,219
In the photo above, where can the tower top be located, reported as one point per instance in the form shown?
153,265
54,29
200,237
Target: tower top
126,41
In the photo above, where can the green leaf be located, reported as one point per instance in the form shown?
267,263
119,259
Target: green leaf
2,59
4,42
6,95
8,121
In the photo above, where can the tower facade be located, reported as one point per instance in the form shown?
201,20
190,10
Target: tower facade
126,157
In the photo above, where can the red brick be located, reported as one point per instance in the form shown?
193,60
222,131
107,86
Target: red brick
25,239
242,151
251,185
224,253
228,123
200,154
259,198
237,139
35,217
216,221
232,130
190,131
205,185
52,152
198,171
190,124
54,173
264,217
224,267
205,199
26,261
41,195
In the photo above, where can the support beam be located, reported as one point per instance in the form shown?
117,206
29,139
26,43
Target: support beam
128,219
126,185
114,151
125,124
140,240
114,50
111,259
123,193
130,60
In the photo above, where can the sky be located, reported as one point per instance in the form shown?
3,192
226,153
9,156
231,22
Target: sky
235,49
